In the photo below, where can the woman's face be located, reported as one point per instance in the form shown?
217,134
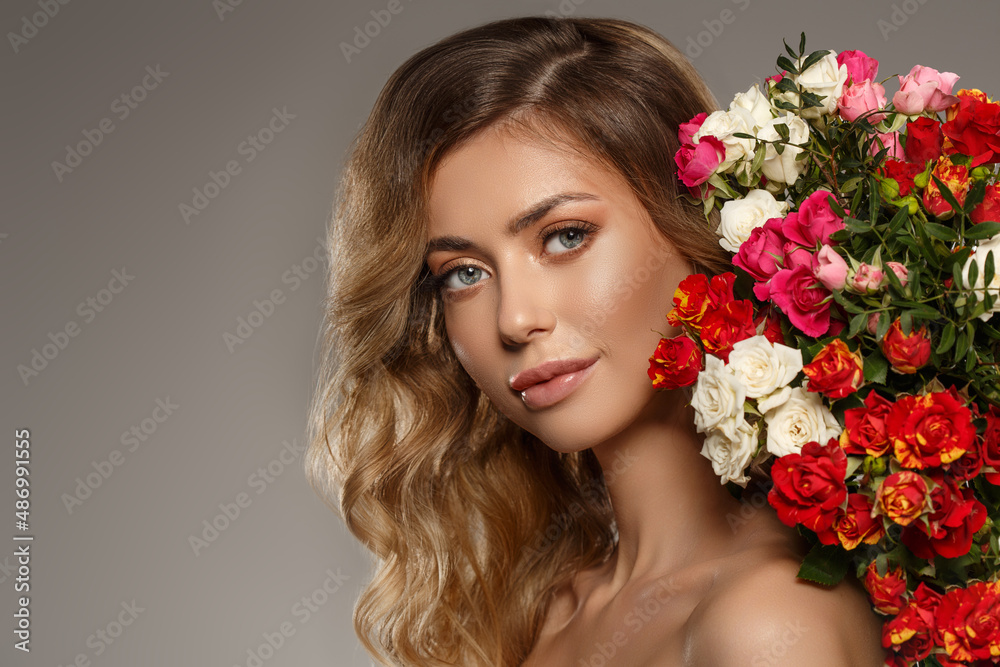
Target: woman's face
549,262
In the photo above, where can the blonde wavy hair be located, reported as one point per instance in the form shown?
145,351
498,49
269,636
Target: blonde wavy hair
474,522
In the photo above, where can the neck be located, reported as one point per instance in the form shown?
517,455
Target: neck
669,505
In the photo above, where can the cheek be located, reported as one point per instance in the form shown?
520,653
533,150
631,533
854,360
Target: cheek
472,337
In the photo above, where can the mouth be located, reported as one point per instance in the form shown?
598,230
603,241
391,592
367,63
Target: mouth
552,381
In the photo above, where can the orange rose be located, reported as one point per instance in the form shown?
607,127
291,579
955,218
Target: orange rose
911,633
675,363
956,178
906,353
968,622
903,497
726,325
856,524
930,430
696,294
835,371
887,593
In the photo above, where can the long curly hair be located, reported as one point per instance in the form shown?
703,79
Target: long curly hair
474,522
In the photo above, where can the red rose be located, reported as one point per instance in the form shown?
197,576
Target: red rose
726,325
906,353
675,363
954,518
864,428
968,622
956,178
856,524
968,465
887,593
989,208
902,172
923,140
809,487
835,371
991,445
972,128
930,429
911,632
902,497
803,299
772,329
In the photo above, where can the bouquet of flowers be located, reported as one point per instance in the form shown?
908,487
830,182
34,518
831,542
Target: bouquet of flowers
851,354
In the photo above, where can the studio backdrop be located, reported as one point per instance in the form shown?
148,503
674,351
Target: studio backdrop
168,173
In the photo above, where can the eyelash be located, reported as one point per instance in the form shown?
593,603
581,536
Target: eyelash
436,283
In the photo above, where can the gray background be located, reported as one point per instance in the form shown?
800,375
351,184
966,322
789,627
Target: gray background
162,335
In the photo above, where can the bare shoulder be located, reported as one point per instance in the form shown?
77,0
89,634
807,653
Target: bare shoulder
764,616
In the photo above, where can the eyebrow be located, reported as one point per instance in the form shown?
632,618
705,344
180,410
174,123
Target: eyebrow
517,224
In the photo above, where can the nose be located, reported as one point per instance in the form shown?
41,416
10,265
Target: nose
523,312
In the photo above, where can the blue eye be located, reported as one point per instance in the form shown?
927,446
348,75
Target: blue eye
564,240
462,277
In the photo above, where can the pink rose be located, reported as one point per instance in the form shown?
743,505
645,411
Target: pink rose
831,269
814,222
696,163
860,98
873,324
860,67
803,299
686,131
763,253
888,140
867,279
925,89
901,272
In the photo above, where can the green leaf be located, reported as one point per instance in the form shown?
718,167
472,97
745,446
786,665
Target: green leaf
846,302
858,323
825,564
857,226
884,322
983,230
902,215
786,64
974,196
802,43
988,270
813,58
876,367
940,231
947,338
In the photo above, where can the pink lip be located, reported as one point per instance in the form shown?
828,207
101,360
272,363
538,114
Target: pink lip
552,381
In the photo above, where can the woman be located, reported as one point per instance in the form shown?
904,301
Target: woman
506,247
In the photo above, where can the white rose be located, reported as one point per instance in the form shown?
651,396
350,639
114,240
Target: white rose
723,125
784,168
763,367
731,456
825,79
802,418
774,399
718,398
742,216
983,249
755,102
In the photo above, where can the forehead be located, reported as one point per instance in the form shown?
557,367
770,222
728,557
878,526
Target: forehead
498,173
